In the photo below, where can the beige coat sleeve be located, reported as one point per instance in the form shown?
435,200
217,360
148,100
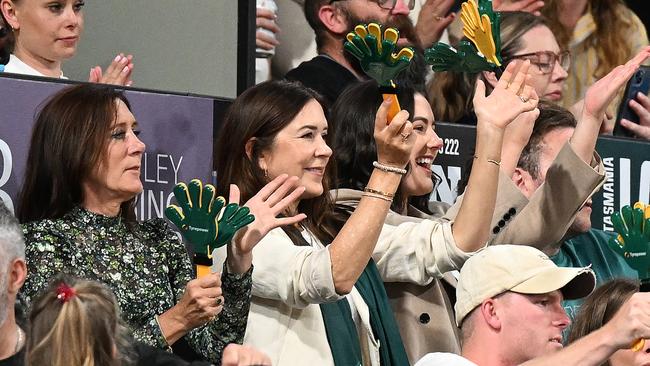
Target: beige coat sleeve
570,182
296,275
416,250
545,218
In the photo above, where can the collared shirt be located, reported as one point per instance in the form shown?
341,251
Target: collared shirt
17,66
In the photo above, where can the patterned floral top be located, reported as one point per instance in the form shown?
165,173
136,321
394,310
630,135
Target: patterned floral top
145,265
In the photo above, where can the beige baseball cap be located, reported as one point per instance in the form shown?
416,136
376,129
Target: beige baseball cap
518,268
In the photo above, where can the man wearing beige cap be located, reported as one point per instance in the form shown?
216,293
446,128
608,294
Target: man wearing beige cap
509,310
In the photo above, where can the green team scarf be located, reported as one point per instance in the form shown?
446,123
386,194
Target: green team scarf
342,333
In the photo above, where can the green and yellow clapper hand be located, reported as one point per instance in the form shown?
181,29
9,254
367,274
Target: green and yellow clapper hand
481,25
633,243
378,59
197,217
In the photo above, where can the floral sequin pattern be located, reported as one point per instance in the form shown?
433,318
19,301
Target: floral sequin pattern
145,265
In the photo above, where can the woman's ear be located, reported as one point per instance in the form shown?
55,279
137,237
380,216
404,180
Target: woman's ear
490,78
8,9
248,148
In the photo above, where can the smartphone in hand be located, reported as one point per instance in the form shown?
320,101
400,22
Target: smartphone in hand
639,83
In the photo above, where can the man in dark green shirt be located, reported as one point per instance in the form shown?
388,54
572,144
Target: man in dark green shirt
581,245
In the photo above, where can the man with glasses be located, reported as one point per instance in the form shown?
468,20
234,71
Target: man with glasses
334,69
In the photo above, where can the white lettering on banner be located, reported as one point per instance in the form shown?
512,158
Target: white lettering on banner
7,162
161,164
623,182
608,194
151,204
446,189
450,147
644,183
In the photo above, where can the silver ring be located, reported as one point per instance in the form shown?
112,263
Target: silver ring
405,136
219,301
523,99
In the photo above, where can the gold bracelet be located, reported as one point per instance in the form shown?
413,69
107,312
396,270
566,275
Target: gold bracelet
387,195
495,162
373,195
169,347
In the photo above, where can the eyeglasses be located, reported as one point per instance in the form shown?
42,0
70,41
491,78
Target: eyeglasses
545,60
388,4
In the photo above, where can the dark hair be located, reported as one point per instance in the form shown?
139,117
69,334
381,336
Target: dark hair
260,113
551,117
600,307
353,122
83,330
451,93
311,8
7,33
69,139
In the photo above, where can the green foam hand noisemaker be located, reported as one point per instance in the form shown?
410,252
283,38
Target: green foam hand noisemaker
633,243
197,218
378,59
481,25
633,240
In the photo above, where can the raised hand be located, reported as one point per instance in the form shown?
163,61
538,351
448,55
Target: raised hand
603,91
633,240
375,53
117,73
271,201
395,140
196,217
432,21
511,97
482,26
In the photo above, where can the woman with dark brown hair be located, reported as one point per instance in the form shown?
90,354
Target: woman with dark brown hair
599,308
308,306
76,206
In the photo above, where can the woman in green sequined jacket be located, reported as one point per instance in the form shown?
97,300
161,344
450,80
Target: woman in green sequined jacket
77,210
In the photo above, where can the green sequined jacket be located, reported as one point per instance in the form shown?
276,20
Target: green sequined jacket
145,265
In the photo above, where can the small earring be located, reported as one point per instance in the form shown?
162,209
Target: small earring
266,174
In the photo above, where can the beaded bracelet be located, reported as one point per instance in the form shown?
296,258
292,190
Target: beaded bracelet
388,168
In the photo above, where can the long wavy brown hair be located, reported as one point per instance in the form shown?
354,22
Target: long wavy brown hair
613,25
